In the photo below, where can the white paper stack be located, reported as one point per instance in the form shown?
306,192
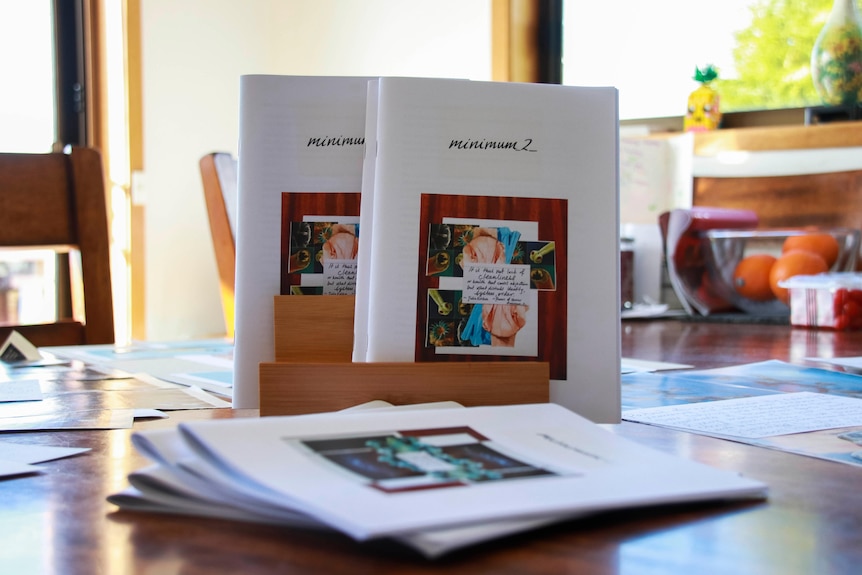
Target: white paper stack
435,479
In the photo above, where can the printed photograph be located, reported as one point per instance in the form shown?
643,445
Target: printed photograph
319,243
420,459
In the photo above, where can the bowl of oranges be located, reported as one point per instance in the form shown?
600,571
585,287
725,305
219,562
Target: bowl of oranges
746,267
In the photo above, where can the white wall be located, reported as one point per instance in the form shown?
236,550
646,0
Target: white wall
193,52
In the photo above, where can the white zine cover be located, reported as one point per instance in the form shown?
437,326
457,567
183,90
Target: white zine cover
403,473
496,231
298,134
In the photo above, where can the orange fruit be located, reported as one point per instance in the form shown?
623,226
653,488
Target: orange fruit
794,263
751,277
822,244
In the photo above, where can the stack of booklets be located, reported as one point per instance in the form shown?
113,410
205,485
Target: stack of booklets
433,477
472,221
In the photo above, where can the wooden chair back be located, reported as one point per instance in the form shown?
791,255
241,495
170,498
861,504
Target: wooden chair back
58,201
218,171
823,198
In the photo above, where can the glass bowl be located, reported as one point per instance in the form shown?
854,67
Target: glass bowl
725,248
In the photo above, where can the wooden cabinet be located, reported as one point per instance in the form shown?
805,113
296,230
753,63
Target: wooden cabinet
822,197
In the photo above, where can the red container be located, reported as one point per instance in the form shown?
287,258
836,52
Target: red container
829,300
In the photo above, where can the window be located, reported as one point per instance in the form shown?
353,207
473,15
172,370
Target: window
650,50
42,108
27,110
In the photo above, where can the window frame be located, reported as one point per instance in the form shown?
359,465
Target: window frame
70,70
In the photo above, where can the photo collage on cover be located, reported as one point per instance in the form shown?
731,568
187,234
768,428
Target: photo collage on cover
490,271
421,459
318,252
492,280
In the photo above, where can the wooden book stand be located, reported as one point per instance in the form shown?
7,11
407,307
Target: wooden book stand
313,371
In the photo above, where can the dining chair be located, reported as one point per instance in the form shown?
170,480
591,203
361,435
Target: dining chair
57,201
218,172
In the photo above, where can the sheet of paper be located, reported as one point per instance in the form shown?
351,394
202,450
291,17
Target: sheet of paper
63,372
222,360
655,176
91,419
631,365
11,468
220,382
20,390
26,453
756,417
852,362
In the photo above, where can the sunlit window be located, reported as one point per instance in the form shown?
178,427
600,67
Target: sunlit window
27,69
27,277
650,50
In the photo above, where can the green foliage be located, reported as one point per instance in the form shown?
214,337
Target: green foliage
773,57
705,75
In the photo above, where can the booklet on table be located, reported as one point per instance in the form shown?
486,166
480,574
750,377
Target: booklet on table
434,479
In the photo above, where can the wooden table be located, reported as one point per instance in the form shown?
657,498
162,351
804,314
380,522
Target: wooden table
59,522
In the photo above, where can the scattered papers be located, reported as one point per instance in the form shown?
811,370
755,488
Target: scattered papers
100,409
12,468
150,414
631,365
71,394
756,417
644,389
223,360
817,434
207,364
24,453
68,420
117,355
18,458
851,362
220,382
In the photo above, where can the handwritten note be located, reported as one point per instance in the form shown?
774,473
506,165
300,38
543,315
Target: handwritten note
339,277
755,417
496,284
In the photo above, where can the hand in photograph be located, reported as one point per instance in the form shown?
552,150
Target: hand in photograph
503,322
485,248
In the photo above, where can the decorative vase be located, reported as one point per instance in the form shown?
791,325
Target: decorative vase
836,59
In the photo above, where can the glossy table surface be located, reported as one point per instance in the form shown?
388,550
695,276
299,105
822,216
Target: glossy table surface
58,521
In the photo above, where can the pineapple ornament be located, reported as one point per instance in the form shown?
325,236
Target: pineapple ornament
703,112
